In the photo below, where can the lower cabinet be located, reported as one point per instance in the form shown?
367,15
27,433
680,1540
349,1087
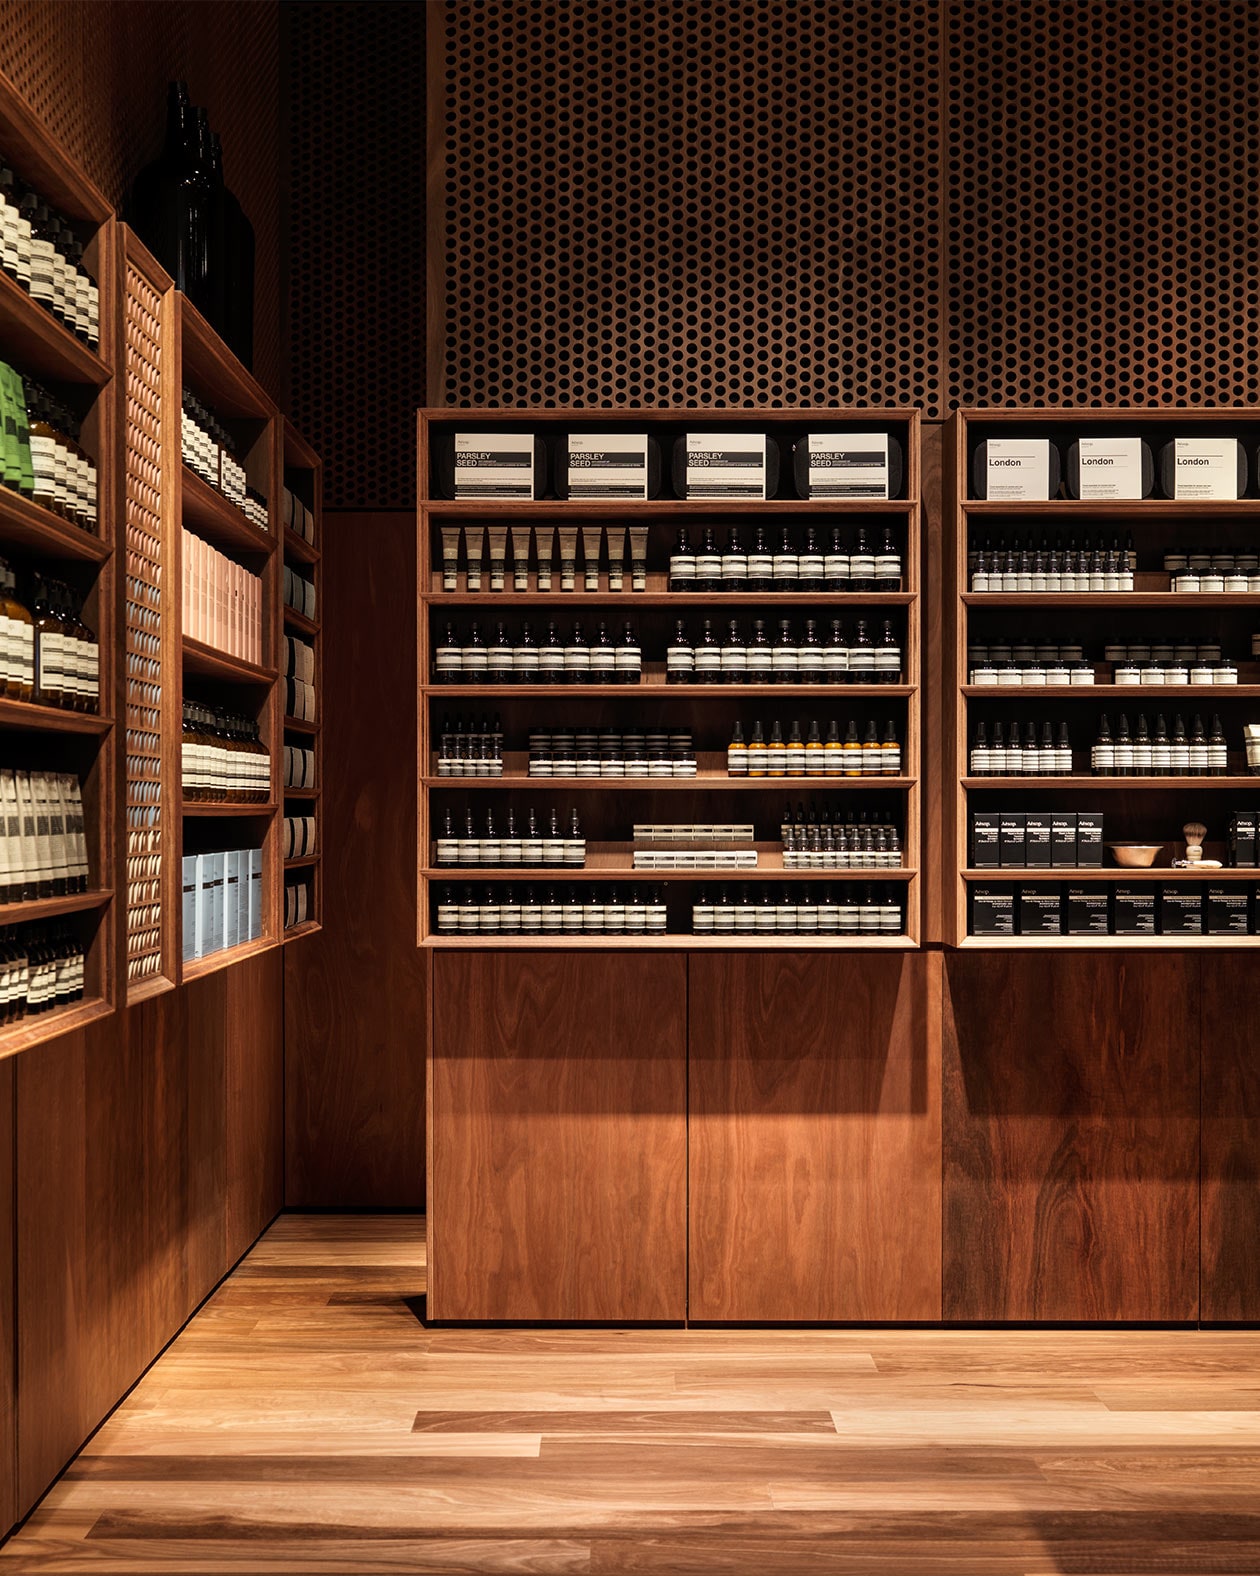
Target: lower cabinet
558,1137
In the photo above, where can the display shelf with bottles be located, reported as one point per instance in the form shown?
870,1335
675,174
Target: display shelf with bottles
231,699
302,594
1103,619
742,631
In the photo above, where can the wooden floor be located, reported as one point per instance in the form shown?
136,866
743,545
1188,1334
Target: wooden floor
306,1421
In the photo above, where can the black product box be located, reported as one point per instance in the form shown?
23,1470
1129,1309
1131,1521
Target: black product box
1181,910
985,850
1089,840
1133,910
1013,834
1063,841
1037,840
1242,838
1088,911
1040,911
992,911
1227,911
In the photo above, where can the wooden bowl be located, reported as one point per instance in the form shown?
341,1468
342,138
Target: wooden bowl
1136,856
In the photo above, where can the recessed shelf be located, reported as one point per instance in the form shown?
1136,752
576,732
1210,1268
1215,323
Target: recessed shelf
765,601
40,345
209,663
214,373
299,621
710,782
226,957
308,927
208,514
52,907
618,865
1111,873
302,862
1101,691
297,725
1108,943
628,509
1085,600
657,690
196,809
1112,784
296,546
26,524
1118,508
670,942
26,1032
50,719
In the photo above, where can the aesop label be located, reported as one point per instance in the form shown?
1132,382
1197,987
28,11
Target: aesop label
608,465
1111,467
848,465
494,465
726,465
1017,468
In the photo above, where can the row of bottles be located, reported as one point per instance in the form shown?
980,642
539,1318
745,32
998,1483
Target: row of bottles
1211,574
526,659
765,910
1146,753
823,839
591,909
811,755
1011,751
194,226
470,749
1018,564
607,753
533,840
806,563
47,653
41,251
791,658
223,759
42,967
40,454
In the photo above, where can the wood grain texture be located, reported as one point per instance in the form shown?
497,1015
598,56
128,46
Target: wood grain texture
307,1421
356,1004
1230,1202
81,1292
558,1136
254,1096
1071,1133
814,1137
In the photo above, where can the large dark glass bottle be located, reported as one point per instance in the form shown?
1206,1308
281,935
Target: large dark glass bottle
170,203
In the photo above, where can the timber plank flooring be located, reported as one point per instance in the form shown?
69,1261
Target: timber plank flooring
307,1421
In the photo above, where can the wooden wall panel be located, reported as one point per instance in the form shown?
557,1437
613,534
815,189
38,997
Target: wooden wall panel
1071,1131
814,1137
558,1183
254,1057
82,1303
157,1030
1231,1140
355,993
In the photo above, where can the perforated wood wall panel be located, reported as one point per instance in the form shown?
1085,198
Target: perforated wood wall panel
96,73
727,203
147,806
357,243
1104,230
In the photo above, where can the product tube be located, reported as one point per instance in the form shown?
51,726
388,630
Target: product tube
545,543
617,558
592,544
519,536
638,557
498,557
475,544
450,557
568,557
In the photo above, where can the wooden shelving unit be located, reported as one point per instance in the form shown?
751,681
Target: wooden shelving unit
708,711
1153,808
37,540
213,373
304,477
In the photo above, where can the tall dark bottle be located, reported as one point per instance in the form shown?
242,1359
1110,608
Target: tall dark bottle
236,240
170,203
